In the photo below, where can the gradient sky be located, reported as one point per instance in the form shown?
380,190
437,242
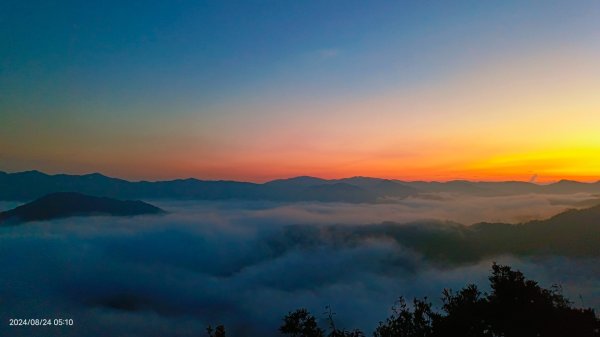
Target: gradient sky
257,90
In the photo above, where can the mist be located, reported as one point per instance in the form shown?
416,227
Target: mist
459,208
231,263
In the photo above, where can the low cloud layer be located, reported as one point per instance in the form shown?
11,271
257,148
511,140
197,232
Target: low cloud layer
221,262
440,206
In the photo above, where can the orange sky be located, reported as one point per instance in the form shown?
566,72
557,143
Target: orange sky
506,93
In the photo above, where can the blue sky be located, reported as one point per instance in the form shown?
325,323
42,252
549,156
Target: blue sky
133,69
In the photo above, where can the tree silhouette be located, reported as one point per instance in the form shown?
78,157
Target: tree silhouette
465,314
334,331
219,331
301,323
515,307
518,307
405,322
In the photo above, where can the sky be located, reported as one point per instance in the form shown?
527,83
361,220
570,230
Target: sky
259,90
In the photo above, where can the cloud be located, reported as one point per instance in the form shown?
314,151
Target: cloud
223,262
446,206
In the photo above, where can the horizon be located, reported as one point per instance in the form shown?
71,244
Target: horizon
490,91
530,181
182,168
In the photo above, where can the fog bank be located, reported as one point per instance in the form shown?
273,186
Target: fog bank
221,262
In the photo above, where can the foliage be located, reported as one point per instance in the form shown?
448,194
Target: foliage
405,322
301,323
219,331
515,307
335,332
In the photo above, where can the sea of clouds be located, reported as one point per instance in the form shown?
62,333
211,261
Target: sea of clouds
224,263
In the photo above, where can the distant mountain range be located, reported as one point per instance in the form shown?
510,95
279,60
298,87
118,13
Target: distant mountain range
25,186
67,204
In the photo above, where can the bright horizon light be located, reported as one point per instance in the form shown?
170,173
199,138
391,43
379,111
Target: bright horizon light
255,92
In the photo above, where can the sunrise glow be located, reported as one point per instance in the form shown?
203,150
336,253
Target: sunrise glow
497,94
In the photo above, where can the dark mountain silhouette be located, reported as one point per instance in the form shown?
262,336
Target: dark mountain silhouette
296,182
574,233
29,185
336,192
67,204
25,186
504,188
455,186
570,186
314,189
381,187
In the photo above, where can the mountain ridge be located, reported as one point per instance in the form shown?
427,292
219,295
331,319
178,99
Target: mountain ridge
572,233
28,185
68,204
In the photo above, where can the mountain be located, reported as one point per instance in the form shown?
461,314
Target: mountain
503,188
337,192
355,189
29,185
297,183
570,186
67,204
25,186
455,186
573,233
381,187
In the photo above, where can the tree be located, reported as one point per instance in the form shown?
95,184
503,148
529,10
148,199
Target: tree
515,307
465,314
218,332
334,331
300,323
520,307
405,322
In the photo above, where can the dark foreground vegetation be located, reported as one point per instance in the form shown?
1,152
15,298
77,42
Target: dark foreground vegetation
515,307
